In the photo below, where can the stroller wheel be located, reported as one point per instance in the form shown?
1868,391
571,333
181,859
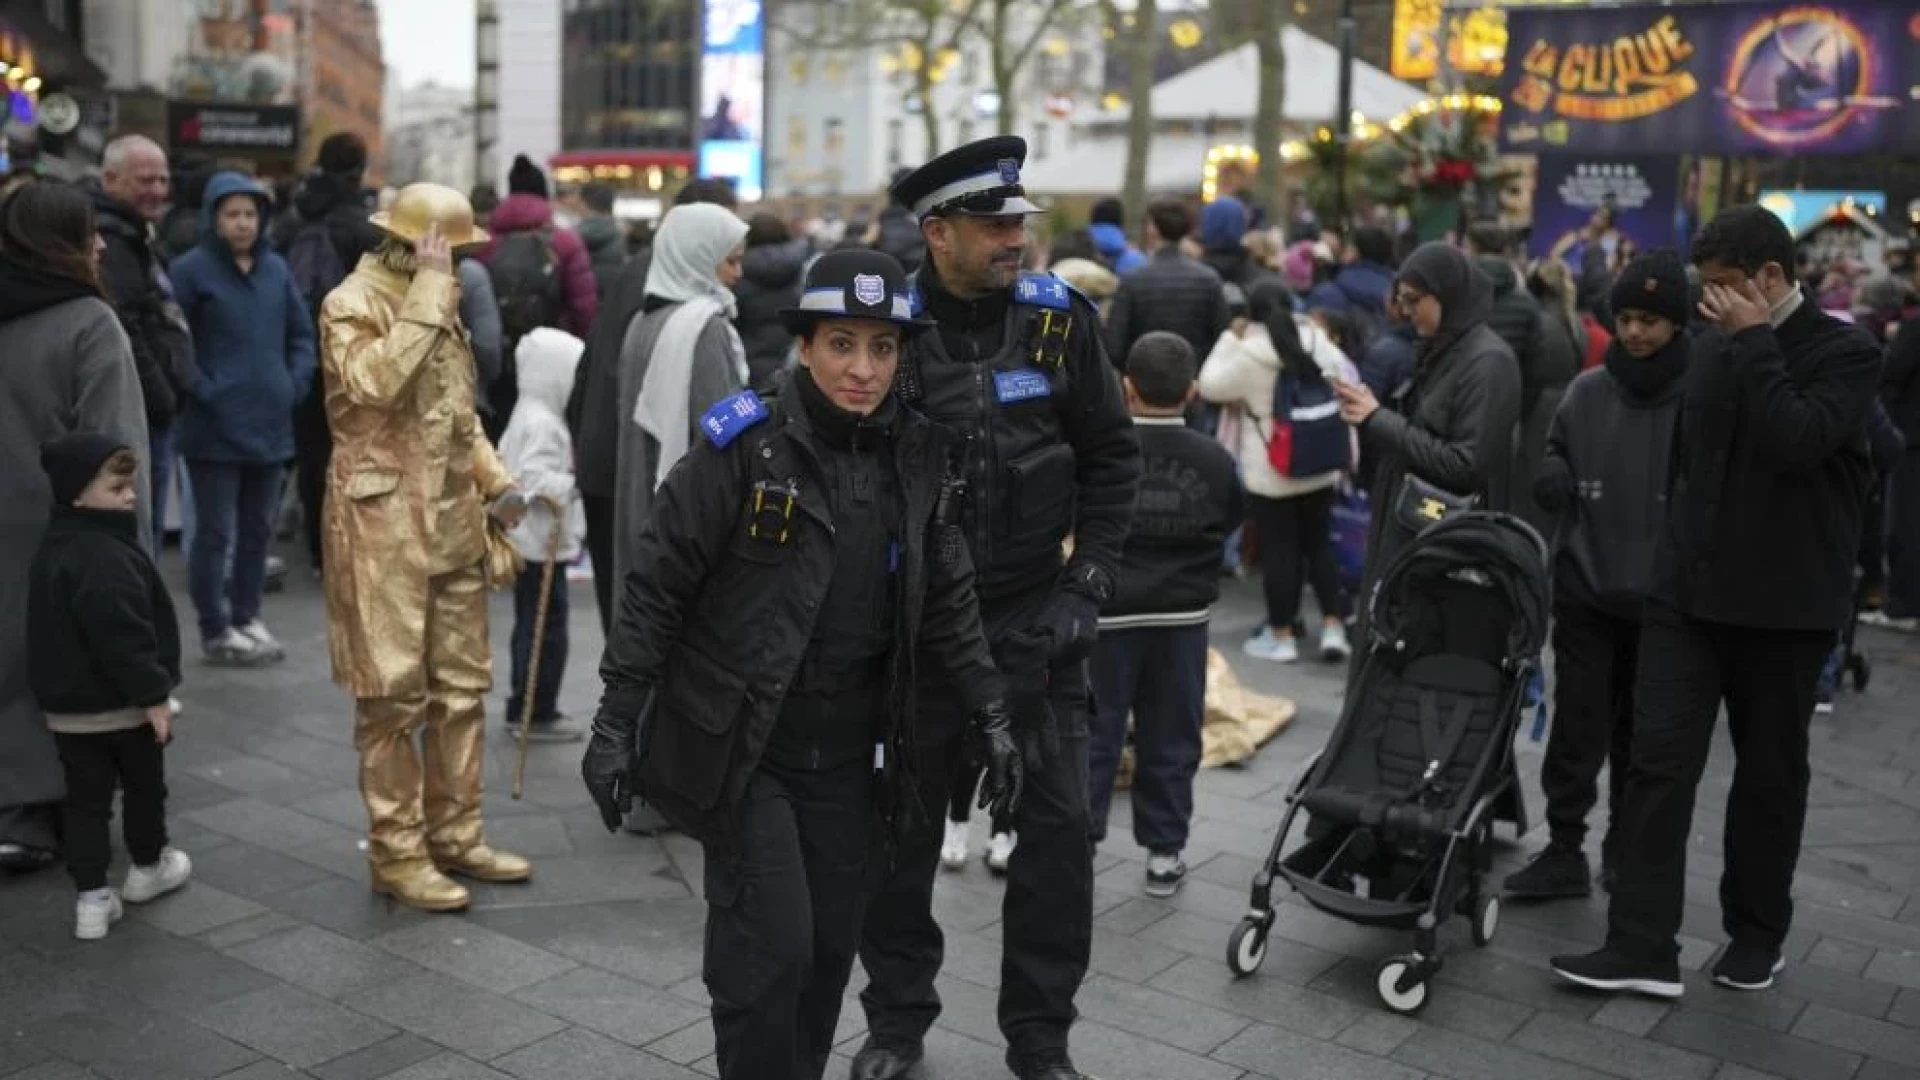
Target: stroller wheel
1394,981
1486,920
1246,948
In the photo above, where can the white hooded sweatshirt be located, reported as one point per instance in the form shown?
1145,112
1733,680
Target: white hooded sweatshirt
1239,374
537,448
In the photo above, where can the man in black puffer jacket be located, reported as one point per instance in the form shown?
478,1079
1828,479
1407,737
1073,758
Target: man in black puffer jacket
1752,578
1516,315
1172,292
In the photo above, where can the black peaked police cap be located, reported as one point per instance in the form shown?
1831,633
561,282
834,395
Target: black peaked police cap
981,179
855,284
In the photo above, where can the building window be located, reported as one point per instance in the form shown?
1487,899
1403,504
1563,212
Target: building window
835,71
797,70
796,137
835,136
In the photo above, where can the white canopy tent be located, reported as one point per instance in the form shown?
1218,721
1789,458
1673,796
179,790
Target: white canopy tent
1223,89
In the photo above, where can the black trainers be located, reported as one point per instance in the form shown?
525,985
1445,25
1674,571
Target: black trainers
1605,970
1747,967
879,1060
1164,874
1558,871
1054,1065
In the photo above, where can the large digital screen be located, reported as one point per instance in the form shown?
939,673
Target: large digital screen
733,94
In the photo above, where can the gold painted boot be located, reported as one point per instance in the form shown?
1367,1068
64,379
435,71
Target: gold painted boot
483,863
419,885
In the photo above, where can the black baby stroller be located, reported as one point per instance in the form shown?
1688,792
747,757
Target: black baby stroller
1401,802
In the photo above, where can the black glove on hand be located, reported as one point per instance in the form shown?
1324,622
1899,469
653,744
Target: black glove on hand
1033,719
993,742
1554,489
1066,626
607,766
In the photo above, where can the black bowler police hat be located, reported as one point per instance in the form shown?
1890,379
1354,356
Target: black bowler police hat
981,179
853,284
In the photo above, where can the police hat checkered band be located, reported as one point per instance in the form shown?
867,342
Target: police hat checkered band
834,302
1002,179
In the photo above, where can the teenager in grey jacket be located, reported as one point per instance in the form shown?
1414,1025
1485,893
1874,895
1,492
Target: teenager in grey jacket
1604,477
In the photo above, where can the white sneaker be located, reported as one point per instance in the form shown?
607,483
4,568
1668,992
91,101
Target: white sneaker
146,883
953,853
264,638
1000,852
1266,645
234,649
94,913
1334,647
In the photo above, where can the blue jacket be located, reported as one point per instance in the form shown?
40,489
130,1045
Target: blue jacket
1362,286
253,342
1111,242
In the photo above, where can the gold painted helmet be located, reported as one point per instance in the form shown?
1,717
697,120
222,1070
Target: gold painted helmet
420,205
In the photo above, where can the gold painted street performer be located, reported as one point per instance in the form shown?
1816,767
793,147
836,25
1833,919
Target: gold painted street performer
409,489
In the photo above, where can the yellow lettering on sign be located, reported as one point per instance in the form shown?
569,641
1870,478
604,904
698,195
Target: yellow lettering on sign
1628,78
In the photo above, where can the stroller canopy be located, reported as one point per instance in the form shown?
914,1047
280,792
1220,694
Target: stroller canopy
1420,591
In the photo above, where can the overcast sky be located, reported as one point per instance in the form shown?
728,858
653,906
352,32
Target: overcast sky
429,40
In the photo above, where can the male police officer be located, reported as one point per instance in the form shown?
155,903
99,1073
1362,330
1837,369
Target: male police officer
1016,367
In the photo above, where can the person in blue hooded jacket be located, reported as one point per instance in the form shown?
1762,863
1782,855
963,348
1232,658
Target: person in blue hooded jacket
254,345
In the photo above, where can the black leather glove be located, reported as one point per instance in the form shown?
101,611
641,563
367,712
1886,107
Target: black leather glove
1066,626
608,765
1032,715
1554,488
993,743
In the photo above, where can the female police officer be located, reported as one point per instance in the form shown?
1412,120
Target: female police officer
797,567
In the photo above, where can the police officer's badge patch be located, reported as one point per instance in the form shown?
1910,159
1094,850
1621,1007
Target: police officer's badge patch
1009,171
869,289
732,415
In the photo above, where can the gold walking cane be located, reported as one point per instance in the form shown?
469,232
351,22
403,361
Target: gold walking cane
539,637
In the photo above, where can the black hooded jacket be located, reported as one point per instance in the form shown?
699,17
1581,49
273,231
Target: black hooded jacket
101,631
1605,476
769,281
1516,316
132,272
1453,423
336,200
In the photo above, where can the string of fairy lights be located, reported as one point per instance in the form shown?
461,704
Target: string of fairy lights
1362,130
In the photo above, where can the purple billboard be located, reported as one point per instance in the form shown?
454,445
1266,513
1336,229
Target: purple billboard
1721,79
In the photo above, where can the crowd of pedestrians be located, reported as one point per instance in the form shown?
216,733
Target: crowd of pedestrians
1244,392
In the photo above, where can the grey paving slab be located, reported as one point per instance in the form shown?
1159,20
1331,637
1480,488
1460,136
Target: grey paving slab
134,1043
473,954
293,1026
451,1013
54,1070
1271,1051
382,1059
447,1066
1464,1057
1742,1044
577,1054
322,961
621,1009
1872,1038
1609,1051
196,909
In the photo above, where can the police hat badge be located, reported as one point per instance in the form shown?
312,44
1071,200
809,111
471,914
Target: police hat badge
869,289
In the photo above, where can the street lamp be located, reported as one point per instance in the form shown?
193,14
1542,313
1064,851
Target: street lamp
1343,117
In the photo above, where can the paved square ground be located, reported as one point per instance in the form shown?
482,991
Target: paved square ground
278,962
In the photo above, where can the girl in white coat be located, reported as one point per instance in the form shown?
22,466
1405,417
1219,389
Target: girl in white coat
1292,516
538,450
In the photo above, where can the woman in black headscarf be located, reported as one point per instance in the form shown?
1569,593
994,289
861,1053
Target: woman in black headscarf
1449,435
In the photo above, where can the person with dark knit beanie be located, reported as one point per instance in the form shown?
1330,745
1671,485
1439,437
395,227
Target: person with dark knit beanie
103,650
1603,479
542,275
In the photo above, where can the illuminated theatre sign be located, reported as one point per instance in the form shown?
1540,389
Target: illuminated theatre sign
1723,79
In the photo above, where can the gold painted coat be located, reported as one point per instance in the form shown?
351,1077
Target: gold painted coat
411,476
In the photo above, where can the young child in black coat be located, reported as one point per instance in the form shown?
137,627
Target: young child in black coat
103,650
1151,659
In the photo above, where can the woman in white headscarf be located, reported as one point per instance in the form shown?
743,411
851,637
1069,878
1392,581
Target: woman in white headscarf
680,357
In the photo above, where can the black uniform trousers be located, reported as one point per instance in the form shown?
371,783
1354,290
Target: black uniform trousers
95,764
1686,669
783,919
600,532
1594,656
1047,912
1157,675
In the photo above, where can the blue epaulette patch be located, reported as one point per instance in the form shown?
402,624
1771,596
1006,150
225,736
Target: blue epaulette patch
1043,290
916,304
732,415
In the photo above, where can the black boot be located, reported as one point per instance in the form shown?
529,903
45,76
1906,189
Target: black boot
1046,1066
1557,872
885,1061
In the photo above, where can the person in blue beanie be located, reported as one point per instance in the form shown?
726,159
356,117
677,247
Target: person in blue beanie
254,347
1108,229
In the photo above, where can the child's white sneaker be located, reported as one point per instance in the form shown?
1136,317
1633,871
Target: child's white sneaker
1334,646
1267,645
1000,852
263,637
953,853
94,913
146,883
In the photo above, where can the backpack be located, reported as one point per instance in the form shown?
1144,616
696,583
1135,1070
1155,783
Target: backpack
525,273
1308,437
316,265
